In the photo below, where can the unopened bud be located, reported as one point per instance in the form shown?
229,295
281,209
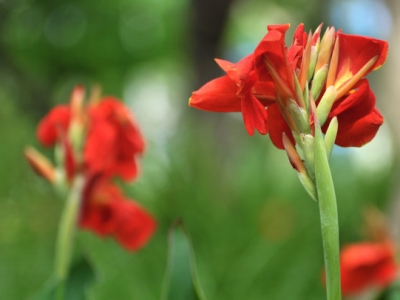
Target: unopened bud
330,136
319,81
308,185
307,144
325,104
299,116
313,61
40,164
298,165
325,50
299,91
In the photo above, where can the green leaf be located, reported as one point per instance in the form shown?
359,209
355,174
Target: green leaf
181,281
79,279
391,293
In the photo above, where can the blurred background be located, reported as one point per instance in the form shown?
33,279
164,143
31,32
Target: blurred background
254,230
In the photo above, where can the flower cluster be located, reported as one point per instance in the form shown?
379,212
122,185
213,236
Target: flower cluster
100,141
288,91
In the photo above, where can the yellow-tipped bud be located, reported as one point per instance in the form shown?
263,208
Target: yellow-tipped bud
325,50
40,164
325,104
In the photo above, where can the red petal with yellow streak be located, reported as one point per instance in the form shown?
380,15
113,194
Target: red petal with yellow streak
355,51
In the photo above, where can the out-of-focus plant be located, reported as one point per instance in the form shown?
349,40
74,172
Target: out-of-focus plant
297,93
369,267
95,142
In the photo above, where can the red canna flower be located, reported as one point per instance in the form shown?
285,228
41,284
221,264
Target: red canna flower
276,77
107,212
367,265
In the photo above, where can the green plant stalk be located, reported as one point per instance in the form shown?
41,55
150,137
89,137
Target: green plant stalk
328,216
65,236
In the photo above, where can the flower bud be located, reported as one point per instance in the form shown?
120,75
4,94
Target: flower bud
298,165
307,144
325,104
40,164
330,136
325,50
319,81
313,61
299,116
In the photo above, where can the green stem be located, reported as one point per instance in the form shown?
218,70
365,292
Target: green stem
65,237
328,216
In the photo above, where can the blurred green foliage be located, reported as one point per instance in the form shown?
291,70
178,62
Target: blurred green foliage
254,230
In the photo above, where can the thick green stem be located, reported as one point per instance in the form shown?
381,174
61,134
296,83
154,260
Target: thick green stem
65,237
328,216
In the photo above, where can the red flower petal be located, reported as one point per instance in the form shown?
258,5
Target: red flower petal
106,212
358,118
135,226
56,121
254,115
272,50
277,126
218,95
359,132
354,53
100,147
100,204
239,71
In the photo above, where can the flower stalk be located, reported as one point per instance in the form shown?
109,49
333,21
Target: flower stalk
66,234
328,216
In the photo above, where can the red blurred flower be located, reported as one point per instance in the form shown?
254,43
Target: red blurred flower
98,141
112,142
107,212
367,265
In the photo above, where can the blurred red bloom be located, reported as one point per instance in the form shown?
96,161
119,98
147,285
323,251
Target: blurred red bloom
107,212
98,140
366,265
113,139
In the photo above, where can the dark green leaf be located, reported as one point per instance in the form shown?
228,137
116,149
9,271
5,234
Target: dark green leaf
181,280
80,278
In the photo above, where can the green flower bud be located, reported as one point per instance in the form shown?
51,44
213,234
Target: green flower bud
330,136
319,81
325,104
299,116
